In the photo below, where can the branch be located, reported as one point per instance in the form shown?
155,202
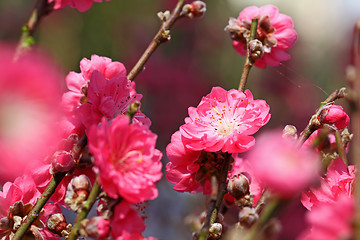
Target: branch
45,196
248,64
163,35
41,9
216,202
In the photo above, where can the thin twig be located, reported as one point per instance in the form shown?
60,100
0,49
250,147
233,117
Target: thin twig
341,148
41,9
216,203
161,37
248,64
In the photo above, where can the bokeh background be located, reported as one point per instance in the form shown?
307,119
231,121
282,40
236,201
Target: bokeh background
198,57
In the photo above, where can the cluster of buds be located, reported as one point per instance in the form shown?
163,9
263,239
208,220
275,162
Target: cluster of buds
16,215
77,192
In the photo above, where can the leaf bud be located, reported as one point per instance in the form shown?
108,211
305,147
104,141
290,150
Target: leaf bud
77,191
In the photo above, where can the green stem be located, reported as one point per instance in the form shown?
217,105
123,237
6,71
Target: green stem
45,196
40,203
88,204
248,64
160,37
216,203
41,9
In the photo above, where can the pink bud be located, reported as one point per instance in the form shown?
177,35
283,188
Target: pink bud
62,162
334,115
195,9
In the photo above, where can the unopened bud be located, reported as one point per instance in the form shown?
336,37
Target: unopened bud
62,161
215,231
194,10
97,228
133,109
237,30
238,186
56,223
248,216
68,143
256,50
334,116
164,16
290,131
77,191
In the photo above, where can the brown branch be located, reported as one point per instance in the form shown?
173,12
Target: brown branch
163,35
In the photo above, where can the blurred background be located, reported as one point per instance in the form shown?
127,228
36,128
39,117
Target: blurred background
198,57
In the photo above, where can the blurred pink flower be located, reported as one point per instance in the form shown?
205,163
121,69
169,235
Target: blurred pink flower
29,110
327,144
125,154
224,120
136,236
81,5
17,199
335,116
281,166
275,31
331,220
125,222
339,180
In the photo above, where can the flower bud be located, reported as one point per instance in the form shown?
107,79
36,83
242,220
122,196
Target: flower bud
195,9
56,223
248,216
237,30
335,116
97,228
256,50
77,191
215,231
62,161
238,186
290,131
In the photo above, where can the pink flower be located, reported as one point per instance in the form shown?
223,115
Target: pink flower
331,221
327,144
191,170
281,166
224,120
108,98
136,236
275,31
334,116
125,154
101,89
81,5
339,180
29,96
125,222
17,199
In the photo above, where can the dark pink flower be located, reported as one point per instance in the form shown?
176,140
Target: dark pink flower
125,154
29,109
339,180
224,121
281,166
136,236
331,220
335,116
81,5
275,31
125,221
